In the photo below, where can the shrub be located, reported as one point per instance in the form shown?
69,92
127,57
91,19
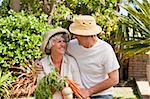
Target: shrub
20,37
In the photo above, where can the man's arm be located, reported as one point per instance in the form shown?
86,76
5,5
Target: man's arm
38,66
111,81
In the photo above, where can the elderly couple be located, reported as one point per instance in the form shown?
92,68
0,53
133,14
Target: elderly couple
86,59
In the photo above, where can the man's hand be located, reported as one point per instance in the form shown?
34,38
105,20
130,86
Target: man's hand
38,66
85,93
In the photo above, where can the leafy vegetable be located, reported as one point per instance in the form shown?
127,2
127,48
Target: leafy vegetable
49,84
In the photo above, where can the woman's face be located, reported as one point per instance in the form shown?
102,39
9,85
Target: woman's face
59,46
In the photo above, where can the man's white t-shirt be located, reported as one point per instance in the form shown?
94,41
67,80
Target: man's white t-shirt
94,63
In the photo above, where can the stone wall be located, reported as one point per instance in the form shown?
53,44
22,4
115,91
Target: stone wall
137,66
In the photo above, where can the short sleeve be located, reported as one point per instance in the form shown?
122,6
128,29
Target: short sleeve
110,61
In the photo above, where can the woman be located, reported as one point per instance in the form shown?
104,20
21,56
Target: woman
54,46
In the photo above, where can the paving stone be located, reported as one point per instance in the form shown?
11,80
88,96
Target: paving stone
124,93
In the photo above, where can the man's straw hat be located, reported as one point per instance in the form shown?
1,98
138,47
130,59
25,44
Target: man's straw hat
85,25
49,34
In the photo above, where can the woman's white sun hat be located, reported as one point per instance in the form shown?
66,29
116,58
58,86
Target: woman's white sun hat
84,25
49,34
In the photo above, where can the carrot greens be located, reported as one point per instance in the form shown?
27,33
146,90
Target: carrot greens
49,84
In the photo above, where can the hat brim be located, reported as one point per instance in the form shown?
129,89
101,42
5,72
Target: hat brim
75,29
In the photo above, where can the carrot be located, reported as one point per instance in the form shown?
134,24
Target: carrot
75,88
62,95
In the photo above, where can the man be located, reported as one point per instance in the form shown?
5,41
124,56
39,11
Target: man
96,59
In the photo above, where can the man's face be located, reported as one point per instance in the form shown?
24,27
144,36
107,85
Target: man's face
83,40
80,38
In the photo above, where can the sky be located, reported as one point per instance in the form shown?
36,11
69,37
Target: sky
123,11
1,2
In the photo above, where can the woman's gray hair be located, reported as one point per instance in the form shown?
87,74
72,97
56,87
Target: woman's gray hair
51,42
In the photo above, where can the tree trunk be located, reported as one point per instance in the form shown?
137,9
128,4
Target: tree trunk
15,5
124,70
48,8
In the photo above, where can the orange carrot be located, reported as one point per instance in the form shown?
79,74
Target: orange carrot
75,88
62,95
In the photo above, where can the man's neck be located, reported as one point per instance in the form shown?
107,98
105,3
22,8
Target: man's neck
90,42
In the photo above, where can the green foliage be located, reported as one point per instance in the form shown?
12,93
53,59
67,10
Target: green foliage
85,6
49,84
4,8
5,83
141,18
109,22
20,37
104,12
137,29
32,6
61,17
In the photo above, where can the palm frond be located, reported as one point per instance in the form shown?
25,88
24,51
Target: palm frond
142,18
127,53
